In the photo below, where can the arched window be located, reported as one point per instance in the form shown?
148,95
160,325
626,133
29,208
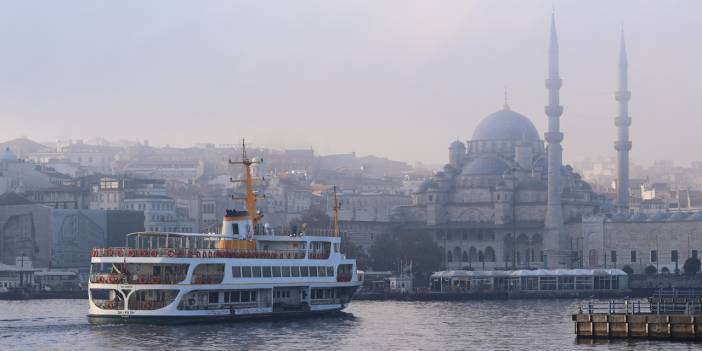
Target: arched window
465,257
449,256
481,257
489,254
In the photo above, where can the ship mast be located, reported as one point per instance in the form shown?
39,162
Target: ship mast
250,194
337,206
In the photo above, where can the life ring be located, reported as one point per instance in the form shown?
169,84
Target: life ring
171,253
154,253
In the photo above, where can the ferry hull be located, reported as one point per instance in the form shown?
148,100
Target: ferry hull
180,319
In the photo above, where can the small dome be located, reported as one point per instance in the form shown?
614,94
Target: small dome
8,155
485,166
638,217
677,216
457,145
506,125
658,216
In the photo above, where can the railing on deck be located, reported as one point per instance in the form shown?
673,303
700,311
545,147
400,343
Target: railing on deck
148,305
117,278
208,278
640,307
198,253
110,305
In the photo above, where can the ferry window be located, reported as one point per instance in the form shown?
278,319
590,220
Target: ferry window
235,228
246,272
295,271
286,271
267,272
276,272
313,271
214,297
236,272
304,272
256,271
633,256
330,271
245,296
322,271
225,295
253,295
234,296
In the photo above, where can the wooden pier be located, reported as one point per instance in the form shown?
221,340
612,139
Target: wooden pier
671,318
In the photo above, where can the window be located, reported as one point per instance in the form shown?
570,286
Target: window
276,272
246,272
614,256
654,256
234,296
330,272
295,271
256,271
235,228
694,253
304,272
286,271
236,272
267,272
674,256
214,297
633,256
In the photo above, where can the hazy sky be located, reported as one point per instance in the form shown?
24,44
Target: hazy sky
393,78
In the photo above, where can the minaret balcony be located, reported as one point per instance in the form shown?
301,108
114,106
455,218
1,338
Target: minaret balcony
553,137
622,96
554,83
622,145
622,121
554,111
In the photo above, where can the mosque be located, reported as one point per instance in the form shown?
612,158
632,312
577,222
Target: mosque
506,201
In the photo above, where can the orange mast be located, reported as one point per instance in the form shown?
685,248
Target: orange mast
250,195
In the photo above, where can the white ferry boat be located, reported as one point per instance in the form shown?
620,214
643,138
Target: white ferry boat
243,272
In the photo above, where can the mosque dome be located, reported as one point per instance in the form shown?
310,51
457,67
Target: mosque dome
506,125
485,166
8,155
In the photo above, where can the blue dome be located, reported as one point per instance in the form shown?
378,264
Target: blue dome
506,125
485,166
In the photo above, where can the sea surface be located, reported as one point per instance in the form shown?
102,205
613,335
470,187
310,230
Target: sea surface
366,325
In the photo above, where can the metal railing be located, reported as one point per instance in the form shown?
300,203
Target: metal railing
640,307
117,278
198,253
109,304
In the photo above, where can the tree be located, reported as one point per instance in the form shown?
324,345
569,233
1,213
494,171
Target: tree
692,265
313,217
353,250
651,270
406,245
628,270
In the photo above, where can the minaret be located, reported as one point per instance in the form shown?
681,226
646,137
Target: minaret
554,244
623,121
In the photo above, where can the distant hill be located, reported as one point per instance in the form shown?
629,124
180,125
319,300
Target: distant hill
23,146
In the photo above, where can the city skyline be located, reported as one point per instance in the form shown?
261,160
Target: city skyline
425,74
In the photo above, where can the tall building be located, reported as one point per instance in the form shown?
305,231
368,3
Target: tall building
623,121
556,242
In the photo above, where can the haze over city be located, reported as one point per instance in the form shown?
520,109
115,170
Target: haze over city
395,78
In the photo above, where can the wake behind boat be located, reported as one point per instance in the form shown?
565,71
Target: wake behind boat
246,271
